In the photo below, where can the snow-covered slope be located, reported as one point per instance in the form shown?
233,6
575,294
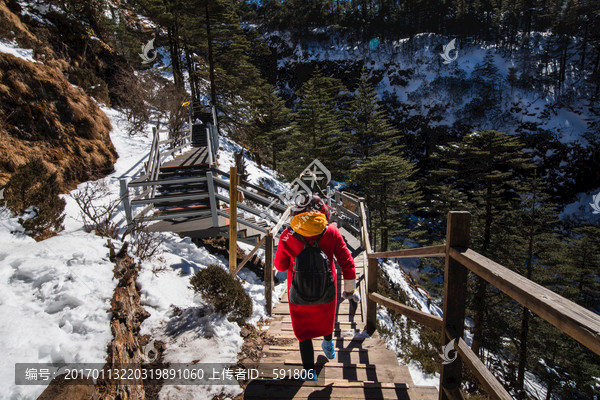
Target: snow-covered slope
417,296
412,72
55,294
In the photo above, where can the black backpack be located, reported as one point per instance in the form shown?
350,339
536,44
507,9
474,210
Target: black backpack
312,281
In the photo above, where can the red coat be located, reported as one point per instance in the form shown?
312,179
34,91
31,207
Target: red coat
314,320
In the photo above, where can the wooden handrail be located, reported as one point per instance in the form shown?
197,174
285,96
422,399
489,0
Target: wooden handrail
248,184
344,210
365,229
249,256
282,220
418,252
484,376
251,195
581,324
244,207
350,197
269,245
432,321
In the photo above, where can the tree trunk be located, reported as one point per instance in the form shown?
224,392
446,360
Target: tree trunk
584,46
175,61
211,61
191,74
525,321
549,390
523,352
480,302
479,315
385,220
563,63
596,72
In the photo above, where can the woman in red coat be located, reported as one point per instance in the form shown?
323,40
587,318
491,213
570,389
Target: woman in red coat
315,320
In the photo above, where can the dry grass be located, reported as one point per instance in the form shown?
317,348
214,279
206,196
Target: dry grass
46,116
11,27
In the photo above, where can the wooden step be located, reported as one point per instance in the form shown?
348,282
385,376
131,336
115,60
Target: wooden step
288,319
363,368
199,207
338,340
174,188
275,348
285,389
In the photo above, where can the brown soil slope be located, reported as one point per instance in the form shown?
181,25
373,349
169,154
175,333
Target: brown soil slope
43,115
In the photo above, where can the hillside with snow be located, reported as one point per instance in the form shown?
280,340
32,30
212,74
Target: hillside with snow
485,86
75,92
411,72
55,294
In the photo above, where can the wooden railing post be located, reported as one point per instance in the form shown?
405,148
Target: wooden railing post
126,201
373,266
233,197
455,293
212,198
269,272
338,200
209,146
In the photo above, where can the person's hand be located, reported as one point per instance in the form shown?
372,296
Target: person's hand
353,296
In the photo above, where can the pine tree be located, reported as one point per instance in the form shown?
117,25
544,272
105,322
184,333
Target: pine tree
485,109
380,170
272,125
318,128
484,170
582,270
555,357
392,194
531,242
168,15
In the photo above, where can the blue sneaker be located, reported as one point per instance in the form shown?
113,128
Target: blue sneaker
328,348
310,375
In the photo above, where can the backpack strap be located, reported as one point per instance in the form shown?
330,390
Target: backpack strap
303,239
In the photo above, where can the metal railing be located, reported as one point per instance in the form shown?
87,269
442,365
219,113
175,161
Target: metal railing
145,186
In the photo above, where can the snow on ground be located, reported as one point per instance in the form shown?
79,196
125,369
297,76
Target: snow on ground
412,70
581,209
54,301
401,278
181,319
259,176
55,294
11,47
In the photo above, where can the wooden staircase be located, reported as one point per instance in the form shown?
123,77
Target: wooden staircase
364,368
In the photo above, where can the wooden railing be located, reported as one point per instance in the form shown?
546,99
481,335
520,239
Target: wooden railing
574,320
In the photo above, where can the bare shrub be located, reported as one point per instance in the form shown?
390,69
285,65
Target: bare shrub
148,95
97,208
168,103
145,244
91,84
133,96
